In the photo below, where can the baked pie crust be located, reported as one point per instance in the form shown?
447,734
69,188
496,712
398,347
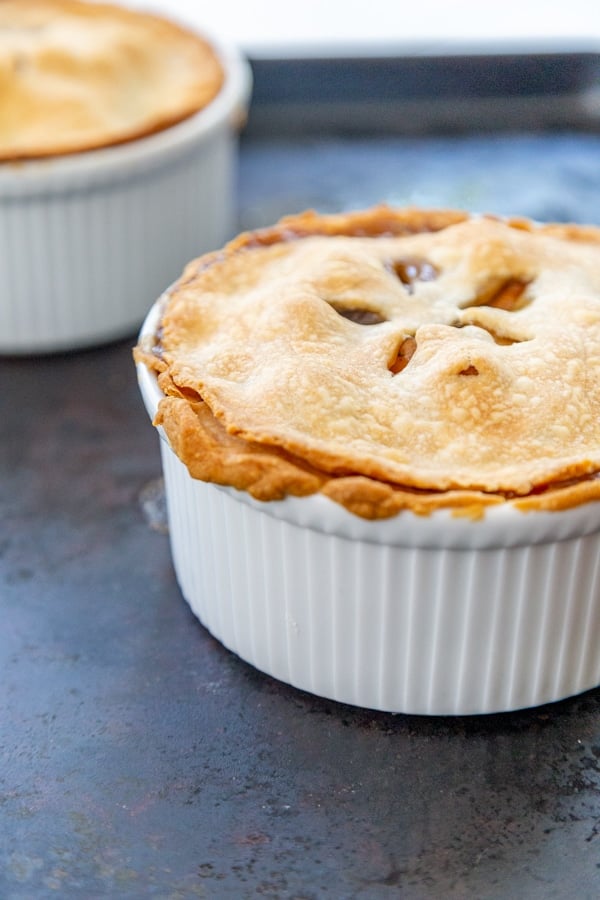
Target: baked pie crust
78,75
390,359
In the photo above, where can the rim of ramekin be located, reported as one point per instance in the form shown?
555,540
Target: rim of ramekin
25,177
500,526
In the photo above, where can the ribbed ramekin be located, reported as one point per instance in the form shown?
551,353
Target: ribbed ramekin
85,239
437,615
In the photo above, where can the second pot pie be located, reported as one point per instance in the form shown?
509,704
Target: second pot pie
78,75
391,359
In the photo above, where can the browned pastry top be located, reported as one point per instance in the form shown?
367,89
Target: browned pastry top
77,75
391,359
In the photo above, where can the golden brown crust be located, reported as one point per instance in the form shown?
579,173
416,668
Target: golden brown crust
76,76
211,454
475,382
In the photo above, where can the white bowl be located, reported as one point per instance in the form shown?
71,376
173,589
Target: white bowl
85,239
438,615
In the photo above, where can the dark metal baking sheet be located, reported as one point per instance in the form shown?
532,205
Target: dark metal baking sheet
138,757
548,176
424,93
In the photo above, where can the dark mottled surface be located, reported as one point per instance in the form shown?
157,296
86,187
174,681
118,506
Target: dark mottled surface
138,758
554,176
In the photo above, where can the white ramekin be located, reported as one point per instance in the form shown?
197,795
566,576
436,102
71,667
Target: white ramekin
86,240
437,615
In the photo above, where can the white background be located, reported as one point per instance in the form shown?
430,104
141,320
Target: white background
272,27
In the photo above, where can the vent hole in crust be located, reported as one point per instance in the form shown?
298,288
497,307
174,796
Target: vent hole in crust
509,295
470,370
403,356
359,316
412,269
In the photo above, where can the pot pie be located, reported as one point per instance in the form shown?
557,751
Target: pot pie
77,76
390,359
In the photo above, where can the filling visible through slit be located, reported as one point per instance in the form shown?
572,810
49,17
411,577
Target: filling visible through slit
412,269
509,295
359,316
403,355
